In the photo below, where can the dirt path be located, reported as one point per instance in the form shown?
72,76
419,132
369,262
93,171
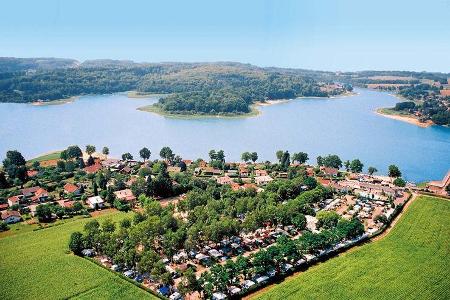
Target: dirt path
386,231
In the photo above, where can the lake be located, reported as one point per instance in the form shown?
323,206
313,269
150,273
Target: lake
346,126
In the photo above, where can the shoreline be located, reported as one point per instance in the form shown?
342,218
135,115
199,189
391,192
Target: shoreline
407,119
254,110
55,102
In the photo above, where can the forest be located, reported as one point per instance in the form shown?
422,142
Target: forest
208,88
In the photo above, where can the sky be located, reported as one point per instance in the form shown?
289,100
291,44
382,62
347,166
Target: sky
340,35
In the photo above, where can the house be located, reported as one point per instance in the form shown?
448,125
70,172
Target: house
41,195
173,169
125,195
243,172
70,188
209,171
110,163
29,192
32,173
66,203
14,200
188,162
439,186
330,171
261,173
93,169
224,180
4,206
95,202
282,175
263,180
126,170
11,216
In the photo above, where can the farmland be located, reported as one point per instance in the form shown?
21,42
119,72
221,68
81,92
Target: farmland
412,261
36,265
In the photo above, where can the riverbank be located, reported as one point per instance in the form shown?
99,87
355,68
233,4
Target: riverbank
136,94
55,102
389,113
155,109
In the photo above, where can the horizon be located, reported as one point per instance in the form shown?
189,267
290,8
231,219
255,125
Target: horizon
223,62
346,36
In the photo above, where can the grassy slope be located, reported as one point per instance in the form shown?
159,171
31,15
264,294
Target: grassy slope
49,156
411,262
36,265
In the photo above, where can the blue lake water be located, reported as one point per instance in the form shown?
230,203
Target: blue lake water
345,126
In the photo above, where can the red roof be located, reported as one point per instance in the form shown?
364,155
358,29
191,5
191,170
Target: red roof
4,206
32,173
70,187
93,169
14,199
10,213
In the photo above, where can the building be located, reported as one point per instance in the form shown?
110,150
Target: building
70,188
11,216
263,180
125,195
95,202
438,186
173,169
41,195
224,180
261,173
14,200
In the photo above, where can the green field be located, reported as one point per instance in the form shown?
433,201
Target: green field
411,262
36,265
49,156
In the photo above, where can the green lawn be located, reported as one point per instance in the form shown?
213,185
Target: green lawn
36,265
411,262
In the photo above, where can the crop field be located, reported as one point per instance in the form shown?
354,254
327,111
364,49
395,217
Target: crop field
411,262
37,265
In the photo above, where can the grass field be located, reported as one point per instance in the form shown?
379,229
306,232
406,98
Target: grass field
411,262
48,156
36,265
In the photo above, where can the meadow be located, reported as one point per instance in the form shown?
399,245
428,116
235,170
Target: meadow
411,262
37,265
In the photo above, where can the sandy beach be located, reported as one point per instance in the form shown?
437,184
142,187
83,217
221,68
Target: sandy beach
410,120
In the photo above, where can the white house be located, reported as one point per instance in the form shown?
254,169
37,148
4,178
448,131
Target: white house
263,180
95,202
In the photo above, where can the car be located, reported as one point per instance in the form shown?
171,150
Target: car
139,278
175,296
128,273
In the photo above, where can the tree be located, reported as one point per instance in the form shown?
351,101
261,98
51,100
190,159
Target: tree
279,154
332,161
63,155
3,182
13,157
399,182
356,166
319,161
76,242
105,151
108,226
372,170
74,152
127,156
36,165
327,219
300,157
212,155
347,164
144,153
166,153
254,156
220,156
95,188
394,171
90,149
246,156
285,160
44,212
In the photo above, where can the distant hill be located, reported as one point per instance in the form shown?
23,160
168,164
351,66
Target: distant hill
13,64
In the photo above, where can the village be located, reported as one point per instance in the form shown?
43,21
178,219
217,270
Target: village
327,211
